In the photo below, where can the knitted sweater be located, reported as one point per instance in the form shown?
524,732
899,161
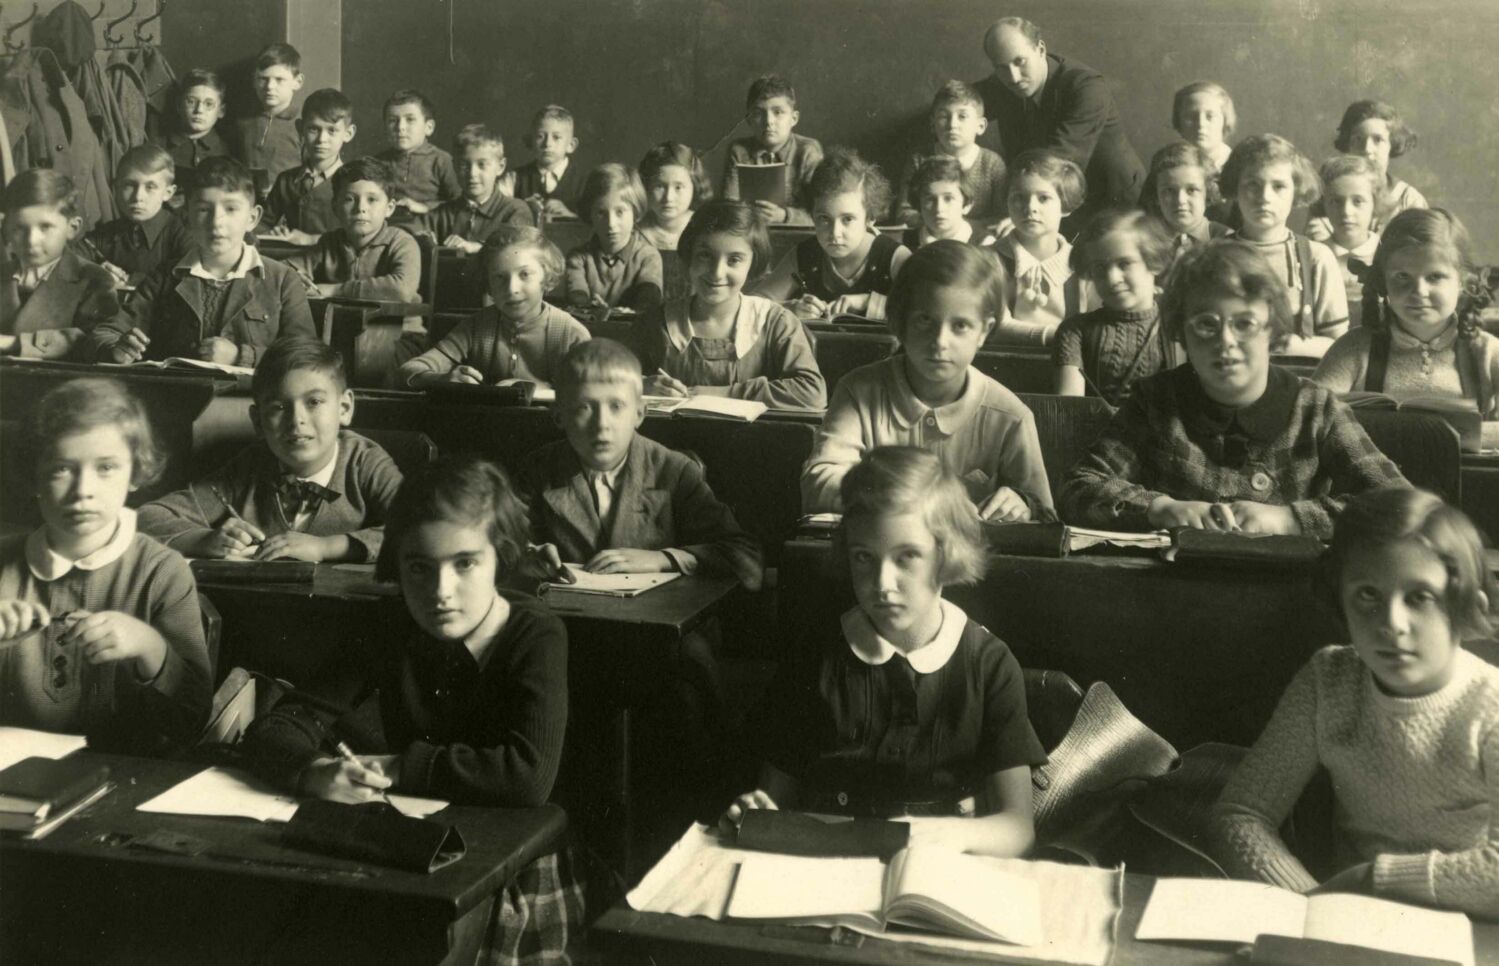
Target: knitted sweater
1416,779
44,683
484,732
1345,368
500,348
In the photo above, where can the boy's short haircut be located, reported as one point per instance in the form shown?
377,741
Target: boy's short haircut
411,96
81,405
478,135
147,159
199,77
1230,266
1230,114
1402,138
669,153
285,356
947,263
524,236
365,169
1180,154
607,179
1389,515
1150,238
842,170
766,86
1062,173
553,112
279,55
909,479
934,170
608,361
957,92
728,218
328,104
225,174
1259,150
40,186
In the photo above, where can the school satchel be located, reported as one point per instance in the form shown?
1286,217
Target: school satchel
1105,756
374,832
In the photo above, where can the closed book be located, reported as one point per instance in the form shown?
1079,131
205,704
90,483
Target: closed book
33,788
1228,547
797,833
1031,539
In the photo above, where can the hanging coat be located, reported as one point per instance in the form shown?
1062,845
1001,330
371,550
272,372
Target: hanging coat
158,81
58,134
69,33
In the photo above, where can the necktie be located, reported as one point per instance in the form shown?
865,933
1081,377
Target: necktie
603,496
768,157
548,182
300,496
1359,269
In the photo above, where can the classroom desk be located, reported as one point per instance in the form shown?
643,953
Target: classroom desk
1481,491
79,895
1198,653
678,939
364,333
618,652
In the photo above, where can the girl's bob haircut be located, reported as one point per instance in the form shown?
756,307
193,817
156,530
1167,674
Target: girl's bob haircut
843,171
1062,173
81,405
1260,150
1149,235
1178,155
1230,114
675,154
523,236
608,179
908,479
947,262
728,218
1227,266
1381,517
459,488
1402,138
1428,228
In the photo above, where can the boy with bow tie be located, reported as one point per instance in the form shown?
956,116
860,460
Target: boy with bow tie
308,489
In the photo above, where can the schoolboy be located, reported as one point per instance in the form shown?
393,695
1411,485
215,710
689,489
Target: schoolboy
147,233
957,120
423,171
464,223
299,208
196,137
551,182
267,142
309,488
770,110
366,258
614,501
221,302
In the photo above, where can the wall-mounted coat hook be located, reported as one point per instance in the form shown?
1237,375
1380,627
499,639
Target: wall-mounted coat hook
140,35
112,38
10,31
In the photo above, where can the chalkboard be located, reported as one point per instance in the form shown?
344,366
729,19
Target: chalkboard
635,72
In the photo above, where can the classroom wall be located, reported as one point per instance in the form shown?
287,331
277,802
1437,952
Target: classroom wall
222,36
639,71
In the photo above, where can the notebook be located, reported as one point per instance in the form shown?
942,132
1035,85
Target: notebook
19,743
708,406
1081,538
608,585
35,788
762,182
1211,910
230,793
925,888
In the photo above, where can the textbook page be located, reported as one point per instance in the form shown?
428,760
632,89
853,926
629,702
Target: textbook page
1081,538
807,889
19,743
933,888
1390,926
230,793
722,407
1212,910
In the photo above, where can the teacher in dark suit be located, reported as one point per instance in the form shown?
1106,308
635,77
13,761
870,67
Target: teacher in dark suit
1036,99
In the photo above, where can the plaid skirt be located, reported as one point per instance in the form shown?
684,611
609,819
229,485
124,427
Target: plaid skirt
537,914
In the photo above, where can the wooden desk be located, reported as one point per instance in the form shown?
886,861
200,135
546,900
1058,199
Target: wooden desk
677,939
364,332
1480,473
619,653
82,894
1198,653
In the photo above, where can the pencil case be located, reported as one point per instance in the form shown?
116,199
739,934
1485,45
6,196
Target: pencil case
374,832
797,833
1241,549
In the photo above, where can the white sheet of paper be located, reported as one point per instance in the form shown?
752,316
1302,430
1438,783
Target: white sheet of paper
615,585
19,743
774,886
1391,926
230,793
1081,538
1210,910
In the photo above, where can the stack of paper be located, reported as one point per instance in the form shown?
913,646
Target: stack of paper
229,793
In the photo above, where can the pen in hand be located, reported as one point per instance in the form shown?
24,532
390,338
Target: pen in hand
347,754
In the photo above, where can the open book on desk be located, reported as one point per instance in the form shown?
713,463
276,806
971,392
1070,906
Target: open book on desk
608,585
708,406
923,888
1210,910
1474,435
240,374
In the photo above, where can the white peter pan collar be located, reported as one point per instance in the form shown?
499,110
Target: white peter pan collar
749,321
47,564
869,647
